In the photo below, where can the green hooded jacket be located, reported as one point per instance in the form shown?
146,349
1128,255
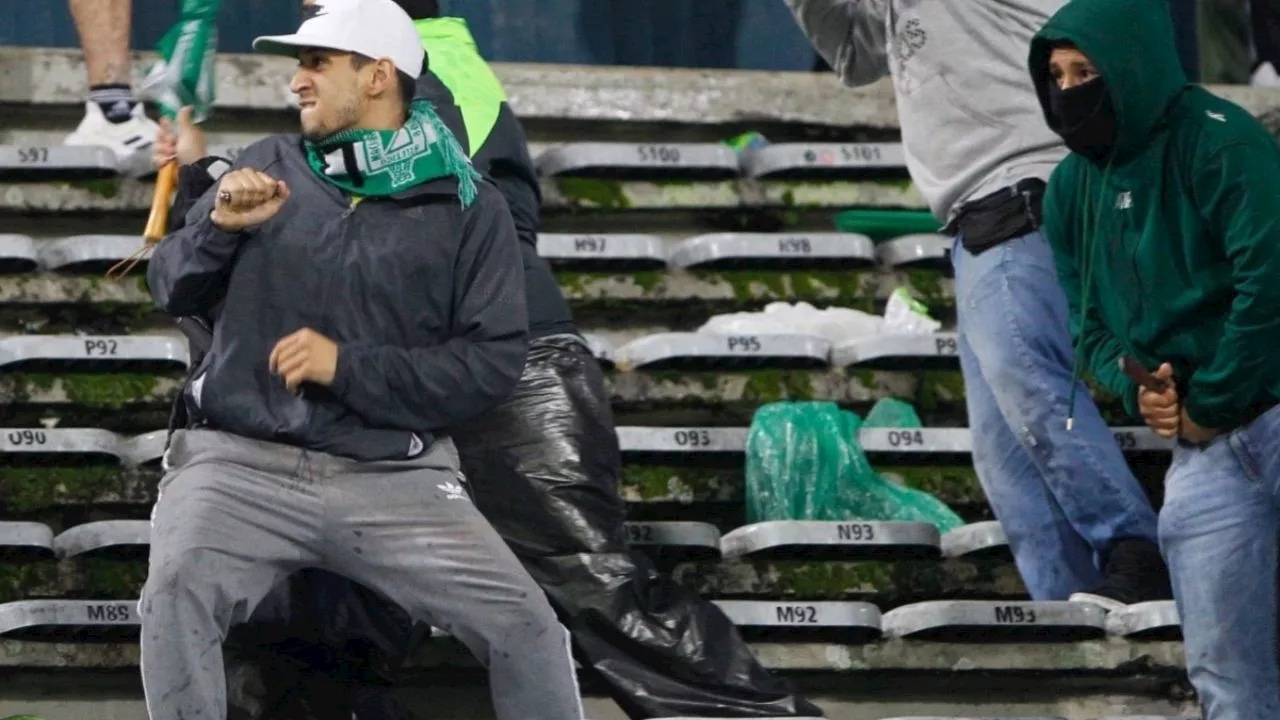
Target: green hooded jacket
1171,251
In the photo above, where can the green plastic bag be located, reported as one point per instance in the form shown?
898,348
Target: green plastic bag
804,463
184,75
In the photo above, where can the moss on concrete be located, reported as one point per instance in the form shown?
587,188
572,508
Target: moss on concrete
24,490
955,485
604,194
104,188
102,579
107,391
688,485
22,581
940,389
765,386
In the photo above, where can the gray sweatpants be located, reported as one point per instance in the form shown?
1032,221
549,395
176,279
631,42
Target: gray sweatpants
236,516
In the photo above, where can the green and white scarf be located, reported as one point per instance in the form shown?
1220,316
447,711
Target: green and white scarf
384,162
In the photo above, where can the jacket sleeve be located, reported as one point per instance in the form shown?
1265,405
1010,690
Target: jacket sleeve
1237,190
188,270
193,182
1097,345
851,35
432,388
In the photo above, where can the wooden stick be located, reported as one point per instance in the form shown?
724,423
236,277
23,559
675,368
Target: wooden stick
158,222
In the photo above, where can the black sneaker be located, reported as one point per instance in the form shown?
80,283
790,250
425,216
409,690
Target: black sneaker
1135,572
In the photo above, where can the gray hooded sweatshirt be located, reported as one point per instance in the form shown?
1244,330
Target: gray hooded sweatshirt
971,123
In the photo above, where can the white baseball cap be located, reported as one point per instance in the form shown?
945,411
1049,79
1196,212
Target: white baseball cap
373,28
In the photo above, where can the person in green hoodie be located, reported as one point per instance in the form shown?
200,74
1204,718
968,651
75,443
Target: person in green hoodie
1165,226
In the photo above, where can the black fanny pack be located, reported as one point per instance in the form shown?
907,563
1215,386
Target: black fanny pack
1003,215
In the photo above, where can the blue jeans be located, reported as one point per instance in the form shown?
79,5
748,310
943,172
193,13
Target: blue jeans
1218,535
1063,496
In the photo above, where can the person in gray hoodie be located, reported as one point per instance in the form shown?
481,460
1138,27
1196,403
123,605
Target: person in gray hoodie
1078,523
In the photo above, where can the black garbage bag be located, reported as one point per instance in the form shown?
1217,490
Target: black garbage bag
544,469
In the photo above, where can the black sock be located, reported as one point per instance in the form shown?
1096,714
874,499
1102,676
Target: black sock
116,100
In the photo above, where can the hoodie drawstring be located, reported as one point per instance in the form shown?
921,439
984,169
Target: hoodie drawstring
1086,290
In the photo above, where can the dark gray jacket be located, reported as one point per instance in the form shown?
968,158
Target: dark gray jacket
424,299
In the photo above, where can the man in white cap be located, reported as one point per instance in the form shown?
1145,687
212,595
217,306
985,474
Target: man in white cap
365,289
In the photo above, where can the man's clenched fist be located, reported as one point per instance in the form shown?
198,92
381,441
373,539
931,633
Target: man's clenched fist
304,356
245,198
1161,410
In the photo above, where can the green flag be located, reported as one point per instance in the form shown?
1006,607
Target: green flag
184,75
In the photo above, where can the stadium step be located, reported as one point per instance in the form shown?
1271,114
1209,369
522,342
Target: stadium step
17,254
804,621
70,621
55,162
603,253
699,352
677,541
680,445
917,251
113,539
92,353
702,161
824,161
601,349
89,253
143,450
774,252
1158,620
39,446
24,541
822,541
996,621
899,352
975,540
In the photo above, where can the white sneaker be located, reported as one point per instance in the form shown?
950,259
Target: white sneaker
1102,601
130,140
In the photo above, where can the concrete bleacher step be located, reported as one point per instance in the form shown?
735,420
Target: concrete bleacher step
1147,717
698,352
89,253
916,251
70,621
975,540
676,541
55,162
92,353
1156,620
113,539
804,621
601,349
640,160
891,351
37,446
143,450
774,251
23,541
823,161
822,540
996,621
885,446
17,254
603,252
659,445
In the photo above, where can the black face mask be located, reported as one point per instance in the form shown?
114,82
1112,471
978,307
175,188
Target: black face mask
1085,118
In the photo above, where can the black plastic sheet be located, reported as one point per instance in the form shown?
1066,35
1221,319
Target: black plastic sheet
544,469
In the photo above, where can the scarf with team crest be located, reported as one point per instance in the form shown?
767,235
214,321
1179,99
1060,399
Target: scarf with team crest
384,162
